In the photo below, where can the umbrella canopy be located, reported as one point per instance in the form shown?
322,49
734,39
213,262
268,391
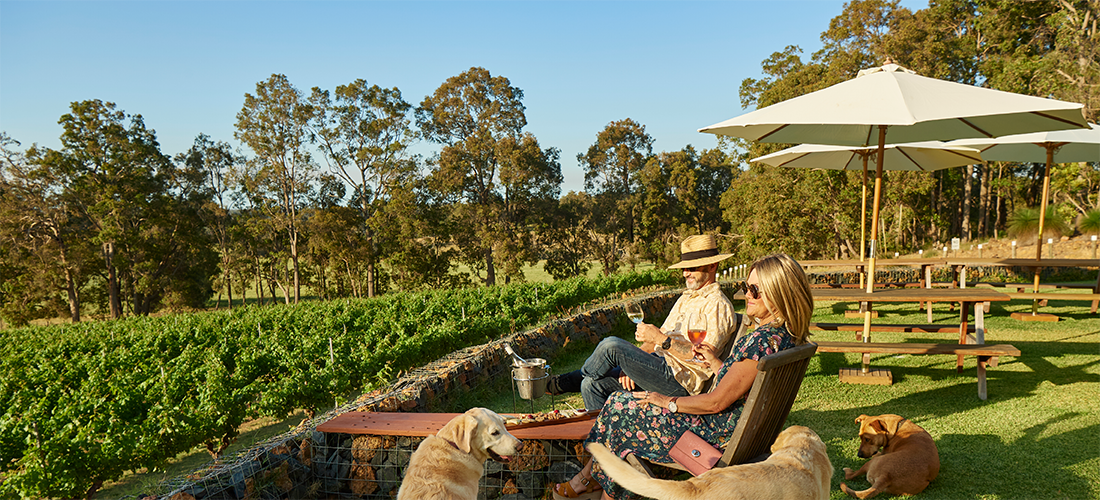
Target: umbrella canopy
1060,146
924,156
913,107
898,106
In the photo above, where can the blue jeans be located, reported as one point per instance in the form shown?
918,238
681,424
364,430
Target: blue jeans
648,371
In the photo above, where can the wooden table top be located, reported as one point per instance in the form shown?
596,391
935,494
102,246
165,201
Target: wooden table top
878,262
427,424
1025,262
910,295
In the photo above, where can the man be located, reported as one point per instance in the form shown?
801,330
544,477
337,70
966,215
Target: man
664,362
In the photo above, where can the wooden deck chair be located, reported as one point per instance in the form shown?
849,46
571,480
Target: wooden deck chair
765,411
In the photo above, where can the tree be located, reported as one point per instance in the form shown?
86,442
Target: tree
1071,71
474,116
42,251
365,136
215,163
612,165
274,124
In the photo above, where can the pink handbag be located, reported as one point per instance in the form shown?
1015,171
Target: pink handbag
694,453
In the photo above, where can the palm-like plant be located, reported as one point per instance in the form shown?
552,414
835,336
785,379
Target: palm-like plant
1090,222
1024,224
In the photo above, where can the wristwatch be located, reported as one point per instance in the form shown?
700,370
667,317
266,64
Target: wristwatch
667,343
672,405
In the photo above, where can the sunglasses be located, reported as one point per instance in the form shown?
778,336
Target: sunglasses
751,291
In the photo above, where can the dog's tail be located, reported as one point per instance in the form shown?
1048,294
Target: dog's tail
634,480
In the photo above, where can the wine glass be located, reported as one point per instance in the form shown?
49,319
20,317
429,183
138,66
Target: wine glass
696,331
634,312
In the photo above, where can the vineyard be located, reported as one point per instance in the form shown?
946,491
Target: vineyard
84,403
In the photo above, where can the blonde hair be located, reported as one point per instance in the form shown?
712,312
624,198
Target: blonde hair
787,290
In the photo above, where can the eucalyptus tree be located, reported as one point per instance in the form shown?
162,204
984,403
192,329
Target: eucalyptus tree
365,137
42,249
611,170
274,124
214,163
477,118
141,212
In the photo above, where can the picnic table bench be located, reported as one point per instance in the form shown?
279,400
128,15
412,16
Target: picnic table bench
988,355
971,336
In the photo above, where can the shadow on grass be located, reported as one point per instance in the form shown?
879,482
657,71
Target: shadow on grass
1023,460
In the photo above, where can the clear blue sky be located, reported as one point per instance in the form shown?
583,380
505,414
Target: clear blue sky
185,66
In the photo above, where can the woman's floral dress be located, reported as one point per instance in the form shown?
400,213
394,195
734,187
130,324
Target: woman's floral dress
650,431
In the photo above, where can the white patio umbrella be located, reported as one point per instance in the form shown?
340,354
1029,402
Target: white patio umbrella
903,107
1062,146
924,156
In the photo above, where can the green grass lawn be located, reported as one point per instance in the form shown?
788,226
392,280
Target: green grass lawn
1036,437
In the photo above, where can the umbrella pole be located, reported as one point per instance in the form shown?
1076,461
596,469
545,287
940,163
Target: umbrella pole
863,223
1042,219
874,234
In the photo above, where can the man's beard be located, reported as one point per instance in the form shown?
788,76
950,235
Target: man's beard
693,285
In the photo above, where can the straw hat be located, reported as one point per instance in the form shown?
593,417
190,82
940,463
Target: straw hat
699,250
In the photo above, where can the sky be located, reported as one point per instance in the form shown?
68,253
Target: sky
185,66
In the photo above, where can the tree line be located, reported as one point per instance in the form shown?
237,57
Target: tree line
329,195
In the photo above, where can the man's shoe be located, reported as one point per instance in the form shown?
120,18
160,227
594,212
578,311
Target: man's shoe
554,386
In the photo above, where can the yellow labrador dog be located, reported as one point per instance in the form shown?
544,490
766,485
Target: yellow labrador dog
798,468
449,464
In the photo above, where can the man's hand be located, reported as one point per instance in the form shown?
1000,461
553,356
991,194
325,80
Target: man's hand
648,334
627,383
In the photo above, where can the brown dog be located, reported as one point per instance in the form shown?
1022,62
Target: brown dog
907,462
798,468
449,464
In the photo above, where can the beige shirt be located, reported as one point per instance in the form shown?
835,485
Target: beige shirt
721,322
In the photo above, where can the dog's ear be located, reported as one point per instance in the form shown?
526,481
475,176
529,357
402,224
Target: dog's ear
460,431
465,440
893,423
878,426
861,418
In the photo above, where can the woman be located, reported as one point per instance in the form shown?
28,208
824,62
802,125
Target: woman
648,424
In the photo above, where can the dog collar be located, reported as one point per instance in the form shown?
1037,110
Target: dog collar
448,441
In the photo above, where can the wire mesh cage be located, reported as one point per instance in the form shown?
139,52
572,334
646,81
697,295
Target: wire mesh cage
372,467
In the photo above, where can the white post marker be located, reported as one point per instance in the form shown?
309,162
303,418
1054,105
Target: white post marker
1013,249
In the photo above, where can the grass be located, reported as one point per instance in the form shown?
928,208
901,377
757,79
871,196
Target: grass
144,481
1037,436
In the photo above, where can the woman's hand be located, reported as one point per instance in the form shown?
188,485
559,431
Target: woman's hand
654,398
706,353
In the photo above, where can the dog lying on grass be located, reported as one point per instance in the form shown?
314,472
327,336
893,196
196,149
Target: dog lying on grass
908,460
798,468
449,464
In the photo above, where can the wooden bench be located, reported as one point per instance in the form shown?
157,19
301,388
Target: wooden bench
986,353
878,327
1043,297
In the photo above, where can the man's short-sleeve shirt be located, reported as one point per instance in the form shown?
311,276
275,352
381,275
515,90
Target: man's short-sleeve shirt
711,304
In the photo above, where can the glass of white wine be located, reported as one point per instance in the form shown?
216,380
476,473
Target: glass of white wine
634,312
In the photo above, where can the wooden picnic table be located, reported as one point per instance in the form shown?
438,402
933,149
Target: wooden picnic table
958,269
966,297
924,264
